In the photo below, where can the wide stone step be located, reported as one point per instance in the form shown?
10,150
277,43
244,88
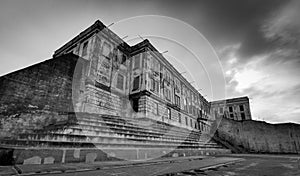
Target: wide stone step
96,139
88,130
137,126
112,124
109,144
134,122
93,134
129,129
138,132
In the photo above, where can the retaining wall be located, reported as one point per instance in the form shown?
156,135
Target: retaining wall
260,137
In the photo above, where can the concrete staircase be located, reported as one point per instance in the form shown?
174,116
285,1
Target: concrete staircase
137,138
89,130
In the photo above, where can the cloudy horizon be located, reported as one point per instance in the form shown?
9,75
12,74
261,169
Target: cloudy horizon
257,42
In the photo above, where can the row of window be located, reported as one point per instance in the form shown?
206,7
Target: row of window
243,116
189,108
119,57
136,81
180,120
154,85
167,78
221,110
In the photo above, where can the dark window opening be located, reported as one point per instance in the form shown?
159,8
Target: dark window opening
136,83
84,48
179,117
186,121
123,59
230,109
231,116
243,116
241,107
116,59
135,105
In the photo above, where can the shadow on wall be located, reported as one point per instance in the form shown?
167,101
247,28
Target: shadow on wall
259,137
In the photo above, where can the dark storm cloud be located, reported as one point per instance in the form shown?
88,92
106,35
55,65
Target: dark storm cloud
230,21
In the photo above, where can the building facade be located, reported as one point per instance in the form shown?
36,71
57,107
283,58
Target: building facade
133,81
235,108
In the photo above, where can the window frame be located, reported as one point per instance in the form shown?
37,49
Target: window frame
243,116
221,110
135,65
186,121
230,107
241,109
133,83
177,100
117,82
169,113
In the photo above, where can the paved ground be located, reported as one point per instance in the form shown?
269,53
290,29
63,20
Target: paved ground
153,169
229,165
260,165
127,168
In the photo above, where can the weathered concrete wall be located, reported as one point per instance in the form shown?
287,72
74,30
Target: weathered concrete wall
260,137
43,86
14,125
37,96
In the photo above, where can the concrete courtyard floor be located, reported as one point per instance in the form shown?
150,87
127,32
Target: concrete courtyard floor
227,165
260,165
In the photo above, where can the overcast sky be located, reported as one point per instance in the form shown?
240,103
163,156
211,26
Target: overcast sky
257,41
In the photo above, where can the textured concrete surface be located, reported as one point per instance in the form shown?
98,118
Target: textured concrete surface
27,156
260,165
44,86
227,165
37,96
261,137
129,168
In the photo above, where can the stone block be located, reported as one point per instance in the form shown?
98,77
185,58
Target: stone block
90,157
49,160
175,155
33,160
76,153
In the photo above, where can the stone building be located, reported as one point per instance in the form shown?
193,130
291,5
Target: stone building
134,81
235,108
97,92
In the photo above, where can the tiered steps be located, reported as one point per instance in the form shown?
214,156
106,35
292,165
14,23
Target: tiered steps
105,131
94,138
